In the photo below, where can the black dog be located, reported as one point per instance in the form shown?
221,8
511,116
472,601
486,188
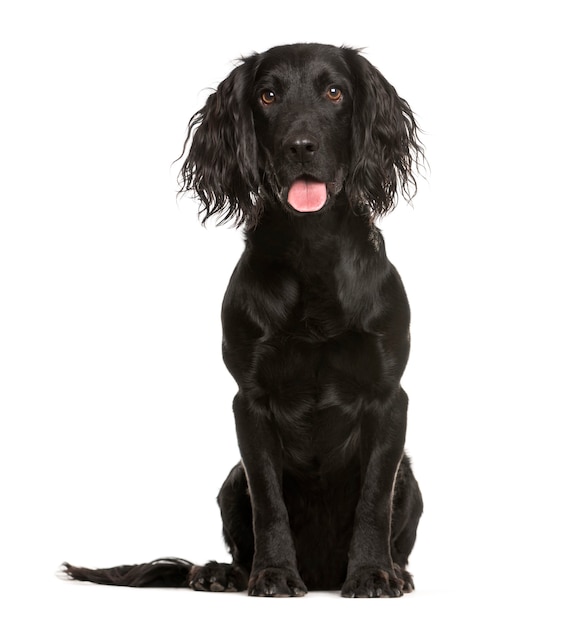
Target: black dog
306,145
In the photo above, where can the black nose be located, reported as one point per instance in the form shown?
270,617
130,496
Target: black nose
301,149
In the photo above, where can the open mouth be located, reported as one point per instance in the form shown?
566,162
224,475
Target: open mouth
307,195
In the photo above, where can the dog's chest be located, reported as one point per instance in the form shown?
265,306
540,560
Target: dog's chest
320,359
316,392
332,295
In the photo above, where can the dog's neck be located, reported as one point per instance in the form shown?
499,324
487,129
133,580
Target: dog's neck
284,235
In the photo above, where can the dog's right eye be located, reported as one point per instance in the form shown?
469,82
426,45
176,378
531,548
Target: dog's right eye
267,97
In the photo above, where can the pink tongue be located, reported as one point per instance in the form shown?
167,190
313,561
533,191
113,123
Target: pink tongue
307,196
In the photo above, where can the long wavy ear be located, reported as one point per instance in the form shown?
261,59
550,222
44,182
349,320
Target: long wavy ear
221,164
386,146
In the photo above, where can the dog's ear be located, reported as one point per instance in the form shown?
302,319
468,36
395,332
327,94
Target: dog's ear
386,147
221,164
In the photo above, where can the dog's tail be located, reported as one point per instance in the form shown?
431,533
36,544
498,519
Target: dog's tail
159,573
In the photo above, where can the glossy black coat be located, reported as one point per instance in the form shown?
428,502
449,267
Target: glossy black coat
316,328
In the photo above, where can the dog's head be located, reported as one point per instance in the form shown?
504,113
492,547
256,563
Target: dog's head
296,128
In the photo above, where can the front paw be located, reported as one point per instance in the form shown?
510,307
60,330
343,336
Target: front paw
276,582
372,582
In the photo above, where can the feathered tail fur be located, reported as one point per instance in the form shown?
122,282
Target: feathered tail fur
168,572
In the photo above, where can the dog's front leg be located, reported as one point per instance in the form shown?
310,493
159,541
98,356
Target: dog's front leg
371,572
274,570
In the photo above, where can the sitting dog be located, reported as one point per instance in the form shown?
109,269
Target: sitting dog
306,146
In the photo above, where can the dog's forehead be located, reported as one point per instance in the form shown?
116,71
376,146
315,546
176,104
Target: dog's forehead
302,65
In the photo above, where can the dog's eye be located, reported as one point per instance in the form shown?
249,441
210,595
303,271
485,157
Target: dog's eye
267,97
334,94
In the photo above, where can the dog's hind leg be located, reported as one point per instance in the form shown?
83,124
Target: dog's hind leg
236,510
237,517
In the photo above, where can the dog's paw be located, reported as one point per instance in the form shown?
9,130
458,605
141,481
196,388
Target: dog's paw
372,582
218,577
276,582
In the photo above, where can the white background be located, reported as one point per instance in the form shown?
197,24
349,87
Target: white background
116,426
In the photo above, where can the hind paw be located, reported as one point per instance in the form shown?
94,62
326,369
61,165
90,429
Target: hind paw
215,576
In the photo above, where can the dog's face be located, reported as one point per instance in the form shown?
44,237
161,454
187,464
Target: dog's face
302,111
295,128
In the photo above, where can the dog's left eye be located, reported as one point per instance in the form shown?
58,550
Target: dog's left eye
267,97
334,94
